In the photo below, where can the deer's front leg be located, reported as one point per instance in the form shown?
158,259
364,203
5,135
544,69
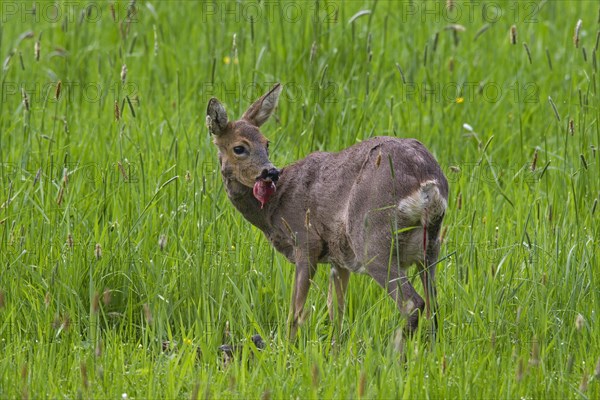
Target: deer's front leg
305,270
338,279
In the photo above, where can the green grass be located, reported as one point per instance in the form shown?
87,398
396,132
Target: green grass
521,245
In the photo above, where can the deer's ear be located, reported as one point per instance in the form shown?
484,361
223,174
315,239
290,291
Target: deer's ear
216,117
262,108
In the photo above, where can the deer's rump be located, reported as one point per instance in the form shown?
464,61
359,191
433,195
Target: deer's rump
374,194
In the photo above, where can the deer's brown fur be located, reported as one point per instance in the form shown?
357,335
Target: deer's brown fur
374,208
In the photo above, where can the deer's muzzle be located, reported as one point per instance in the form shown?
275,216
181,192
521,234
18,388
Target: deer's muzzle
271,174
265,187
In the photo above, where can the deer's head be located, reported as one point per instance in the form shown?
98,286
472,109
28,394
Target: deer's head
243,149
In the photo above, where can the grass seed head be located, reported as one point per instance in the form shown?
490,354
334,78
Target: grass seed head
123,73
98,251
117,111
362,383
597,370
234,49
570,362
6,63
528,52
2,299
131,9
513,34
147,313
571,127
21,61
36,50
58,88
556,114
61,193
65,323
576,34
24,372
549,59
583,161
227,331
98,349
70,241
37,177
122,171
25,99
455,28
444,364
535,352
436,38
162,242
535,158
313,51
314,374
579,322
106,295
84,376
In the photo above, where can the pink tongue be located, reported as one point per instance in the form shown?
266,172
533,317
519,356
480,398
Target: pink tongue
263,190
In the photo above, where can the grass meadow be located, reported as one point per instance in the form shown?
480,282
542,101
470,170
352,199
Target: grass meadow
123,267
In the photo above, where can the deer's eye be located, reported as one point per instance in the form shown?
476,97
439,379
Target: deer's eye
239,150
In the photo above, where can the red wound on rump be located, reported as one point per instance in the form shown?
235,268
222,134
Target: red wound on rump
263,190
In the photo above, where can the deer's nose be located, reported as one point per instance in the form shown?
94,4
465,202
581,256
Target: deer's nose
272,173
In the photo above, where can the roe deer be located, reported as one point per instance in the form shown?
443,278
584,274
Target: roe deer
375,208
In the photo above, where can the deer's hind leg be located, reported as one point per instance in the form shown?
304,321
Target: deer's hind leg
399,288
427,267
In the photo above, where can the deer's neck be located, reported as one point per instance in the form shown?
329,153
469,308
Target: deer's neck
244,201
